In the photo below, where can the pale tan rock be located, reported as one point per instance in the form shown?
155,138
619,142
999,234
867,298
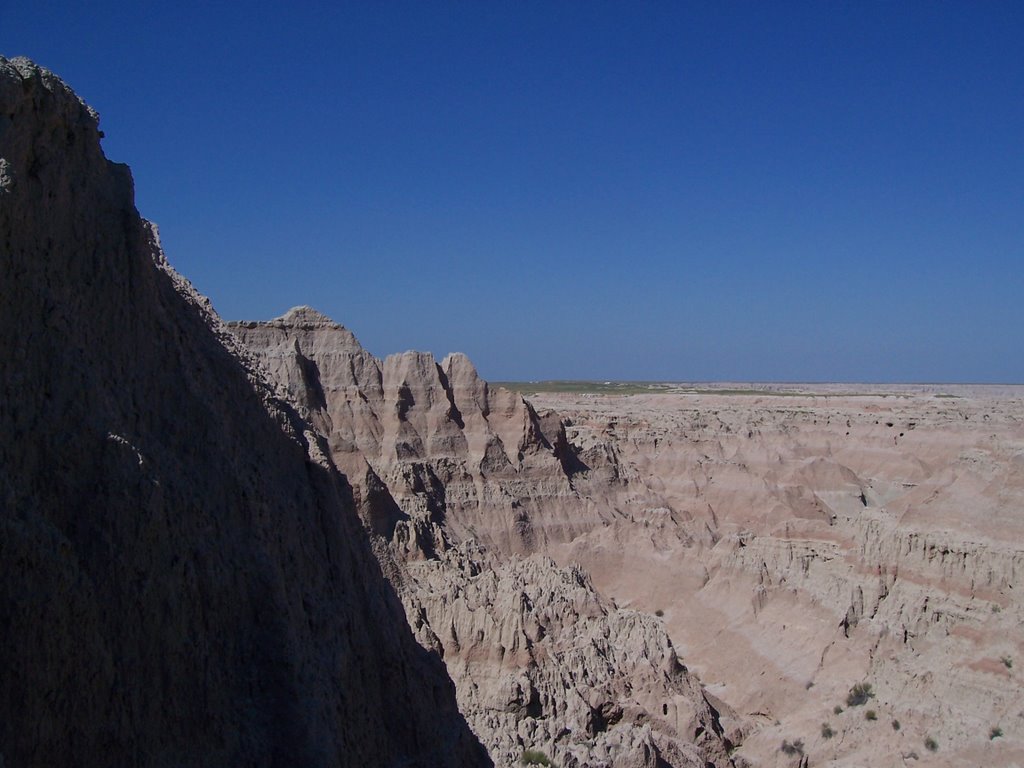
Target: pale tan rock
445,445
821,541
542,661
473,476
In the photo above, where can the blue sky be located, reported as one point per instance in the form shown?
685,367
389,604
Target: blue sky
686,191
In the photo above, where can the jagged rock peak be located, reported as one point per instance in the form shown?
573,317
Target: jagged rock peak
304,318
498,472
459,362
28,70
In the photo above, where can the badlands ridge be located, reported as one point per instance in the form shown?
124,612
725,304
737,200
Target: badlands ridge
790,543
255,543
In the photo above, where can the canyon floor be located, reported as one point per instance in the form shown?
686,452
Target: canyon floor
799,540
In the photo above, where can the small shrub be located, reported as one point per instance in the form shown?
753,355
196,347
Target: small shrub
996,608
895,725
1007,662
870,715
837,710
931,744
826,731
796,748
995,732
859,694
535,757
659,612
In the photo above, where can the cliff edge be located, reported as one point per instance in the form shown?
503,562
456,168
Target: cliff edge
183,578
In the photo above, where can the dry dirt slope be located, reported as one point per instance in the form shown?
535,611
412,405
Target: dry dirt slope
183,578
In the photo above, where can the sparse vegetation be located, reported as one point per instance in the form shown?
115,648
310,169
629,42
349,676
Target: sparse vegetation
931,744
1007,662
826,731
895,725
996,608
871,715
796,747
659,613
859,695
535,757
995,732
837,710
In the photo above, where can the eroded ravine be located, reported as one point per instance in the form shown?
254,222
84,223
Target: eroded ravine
806,544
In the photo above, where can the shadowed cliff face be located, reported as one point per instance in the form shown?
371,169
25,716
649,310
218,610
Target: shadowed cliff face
183,580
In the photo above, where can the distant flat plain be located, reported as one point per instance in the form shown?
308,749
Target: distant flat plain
778,389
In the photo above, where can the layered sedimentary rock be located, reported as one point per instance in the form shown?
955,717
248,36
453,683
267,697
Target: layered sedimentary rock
183,578
458,479
544,662
801,545
427,442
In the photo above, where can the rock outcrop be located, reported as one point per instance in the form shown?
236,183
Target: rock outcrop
427,443
183,578
799,545
544,662
459,480
187,579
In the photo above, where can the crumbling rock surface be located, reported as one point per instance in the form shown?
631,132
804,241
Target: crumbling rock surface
183,578
800,544
543,661
459,480
425,442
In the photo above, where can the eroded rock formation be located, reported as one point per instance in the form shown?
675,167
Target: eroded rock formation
543,661
459,479
426,441
183,578
799,545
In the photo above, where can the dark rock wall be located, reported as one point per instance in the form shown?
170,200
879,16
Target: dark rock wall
182,578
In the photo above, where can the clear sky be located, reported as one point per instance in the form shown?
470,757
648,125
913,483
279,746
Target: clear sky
687,191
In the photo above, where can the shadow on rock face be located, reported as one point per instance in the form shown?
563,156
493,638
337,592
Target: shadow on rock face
183,578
